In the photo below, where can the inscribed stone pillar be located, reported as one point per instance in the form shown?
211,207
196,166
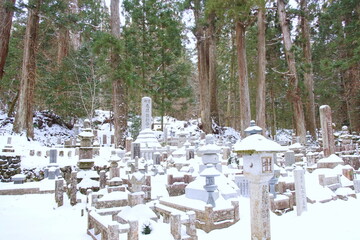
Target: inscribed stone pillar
326,130
135,151
260,213
73,188
102,179
146,111
59,192
300,191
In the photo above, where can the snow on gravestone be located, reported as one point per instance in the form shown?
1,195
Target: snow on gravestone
146,110
300,191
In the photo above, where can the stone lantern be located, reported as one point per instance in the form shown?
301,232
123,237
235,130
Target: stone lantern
114,159
86,149
258,165
210,173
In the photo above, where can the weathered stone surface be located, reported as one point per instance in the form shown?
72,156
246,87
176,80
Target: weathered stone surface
327,130
300,191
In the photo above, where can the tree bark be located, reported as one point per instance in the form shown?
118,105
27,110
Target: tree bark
308,74
24,113
6,15
202,52
63,44
245,114
261,88
214,112
118,85
293,93
75,40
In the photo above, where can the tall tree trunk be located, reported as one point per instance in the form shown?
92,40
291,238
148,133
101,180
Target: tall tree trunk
293,93
308,74
245,114
74,35
24,113
261,93
63,44
203,73
214,112
6,15
118,85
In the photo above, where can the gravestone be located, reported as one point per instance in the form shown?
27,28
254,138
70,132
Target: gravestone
53,155
135,150
300,191
243,185
327,130
289,158
128,143
104,141
112,139
357,185
146,111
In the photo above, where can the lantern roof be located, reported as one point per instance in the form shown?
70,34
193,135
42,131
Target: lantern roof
257,143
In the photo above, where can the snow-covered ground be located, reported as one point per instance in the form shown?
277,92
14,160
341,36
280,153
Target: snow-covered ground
37,217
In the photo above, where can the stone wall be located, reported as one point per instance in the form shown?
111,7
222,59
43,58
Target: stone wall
9,166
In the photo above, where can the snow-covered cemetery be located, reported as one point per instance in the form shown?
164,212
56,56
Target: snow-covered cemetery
178,183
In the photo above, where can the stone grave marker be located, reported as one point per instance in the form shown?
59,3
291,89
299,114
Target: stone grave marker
289,158
300,191
104,139
53,156
146,112
135,150
327,130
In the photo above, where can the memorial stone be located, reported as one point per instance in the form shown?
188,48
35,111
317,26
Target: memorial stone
53,155
146,113
135,150
289,158
300,191
327,130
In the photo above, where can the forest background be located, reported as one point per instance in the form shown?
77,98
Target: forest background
270,61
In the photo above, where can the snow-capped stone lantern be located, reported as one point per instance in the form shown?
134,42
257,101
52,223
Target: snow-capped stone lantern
253,129
114,159
210,173
258,165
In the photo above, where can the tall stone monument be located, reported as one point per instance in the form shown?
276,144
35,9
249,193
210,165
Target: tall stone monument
326,130
146,111
258,165
300,191
146,137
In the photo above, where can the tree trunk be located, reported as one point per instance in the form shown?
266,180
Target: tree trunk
293,93
261,93
308,74
63,44
6,15
74,34
24,113
118,85
202,52
245,116
214,112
